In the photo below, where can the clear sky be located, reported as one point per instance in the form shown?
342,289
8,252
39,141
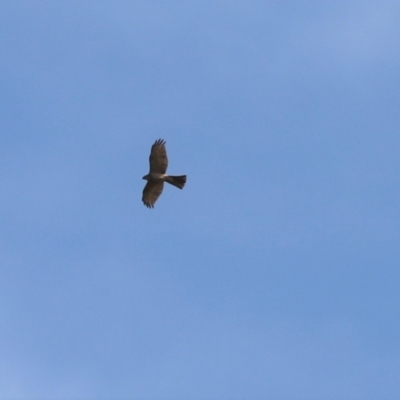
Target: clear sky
274,274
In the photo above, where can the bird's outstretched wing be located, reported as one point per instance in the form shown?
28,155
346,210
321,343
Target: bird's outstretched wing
151,192
158,157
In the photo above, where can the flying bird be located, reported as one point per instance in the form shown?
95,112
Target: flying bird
157,175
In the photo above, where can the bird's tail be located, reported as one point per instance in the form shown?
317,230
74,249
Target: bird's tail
178,181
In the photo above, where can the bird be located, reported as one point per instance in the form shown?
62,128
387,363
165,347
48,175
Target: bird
157,175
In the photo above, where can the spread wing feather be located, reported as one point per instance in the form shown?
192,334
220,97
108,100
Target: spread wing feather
151,192
158,157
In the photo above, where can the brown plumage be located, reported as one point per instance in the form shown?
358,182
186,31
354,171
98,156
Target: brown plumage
157,176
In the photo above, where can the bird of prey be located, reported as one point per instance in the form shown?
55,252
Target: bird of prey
157,175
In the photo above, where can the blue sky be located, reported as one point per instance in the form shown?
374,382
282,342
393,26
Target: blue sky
274,273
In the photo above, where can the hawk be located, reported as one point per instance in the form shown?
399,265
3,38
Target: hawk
157,175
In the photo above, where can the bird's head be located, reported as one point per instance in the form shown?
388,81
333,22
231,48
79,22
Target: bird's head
146,177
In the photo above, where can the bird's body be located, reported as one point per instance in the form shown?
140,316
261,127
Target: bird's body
157,175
